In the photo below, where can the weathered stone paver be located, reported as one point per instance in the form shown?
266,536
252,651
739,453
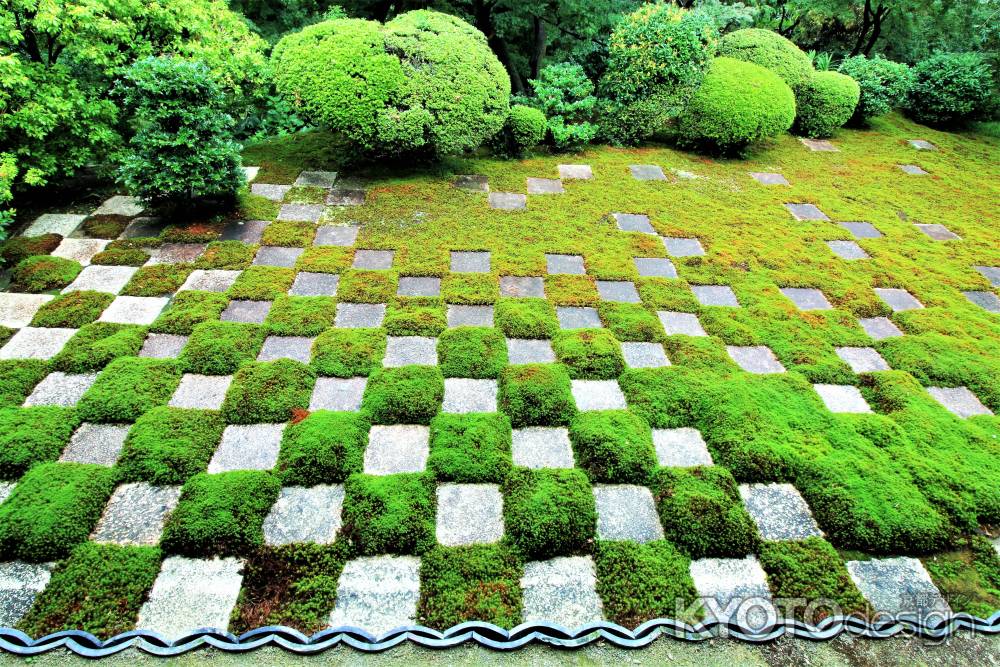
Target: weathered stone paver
779,511
298,348
733,588
849,250
210,280
249,312
409,286
806,212
163,346
626,512
62,389
20,584
529,351
959,401
647,172
564,264
80,250
203,392
578,317
277,256
757,359
683,247
191,593
316,179
991,273
345,196
338,394
938,232
5,490
17,310
407,350
301,212
462,395
522,286
912,170
644,355
136,513
819,145
769,178
177,253
545,186
655,267
314,284
246,231
144,227
985,300
134,309
250,173
922,145
508,201
680,447
247,447
336,235
101,279
542,447
862,359
397,448
472,183
305,515
377,260
806,298
898,299
99,444
598,395
470,316
55,223
879,327
898,586
633,222
581,172
862,230
36,343
377,594
680,324
620,291
359,315
469,514
466,261
715,295
561,591
269,191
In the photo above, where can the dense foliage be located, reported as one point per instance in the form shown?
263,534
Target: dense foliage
566,96
825,102
769,50
883,84
950,88
525,127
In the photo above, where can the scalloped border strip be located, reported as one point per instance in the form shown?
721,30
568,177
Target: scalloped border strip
486,635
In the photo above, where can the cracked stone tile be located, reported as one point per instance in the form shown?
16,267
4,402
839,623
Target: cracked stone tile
465,261
862,230
715,295
806,298
820,145
564,264
315,284
842,398
545,186
542,447
991,273
469,514
298,348
598,395
879,327
779,511
463,395
373,259
562,591
247,447
644,355
397,448
733,589
377,594
806,212
682,247
470,316
681,447
20,584
177,253
248,312
36,343
305,515
626,512
60,389
620,291
80,250
17,310
897,586
898,299
269,191
338,394
959,401
359,315
847,250
99,444
576,317
62,224
407,350
757,359
912,170
277,256
410,286
212,280
508,201
191,593
336,235
769,178
110,279
680,324
633,222
301,212
529,351
985,300
938,232
522,286
134,309
472,183
647,172
163,346
121,205
316,179
862,359
136,513
580,172
656,267
923,145
203,392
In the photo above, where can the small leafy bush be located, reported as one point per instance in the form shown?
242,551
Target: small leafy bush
589,353
391,514
18,377
220,348
549,512
96,345
525,127
950,88
473,583
72,310
613,446
42,273
824,103
169,445
884,85
565,95
324,447
769,50
268,392
189,309
348,352
129,387
29,436
472,352
470,449
526,318
536,395
407,395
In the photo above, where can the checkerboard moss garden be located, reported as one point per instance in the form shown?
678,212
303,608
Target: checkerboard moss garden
565,387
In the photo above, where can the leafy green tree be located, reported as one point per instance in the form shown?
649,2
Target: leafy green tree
566,96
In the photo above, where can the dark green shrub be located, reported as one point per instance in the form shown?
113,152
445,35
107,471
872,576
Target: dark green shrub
525,128
300,315
702,513
72,310
950,88
810,569
33,435
18,377
188,309
220,348
96,345
129,387
883,84
262,283
415,316
613,446
53,508
474,583
157,280
549,512
17,248
824,103
348,352
536,395
42,273
589,353
391,514
169,445
407,395
221,514
324,447
226,255
565,95
526,318
472,352
470,449
268,392
738,103
769,50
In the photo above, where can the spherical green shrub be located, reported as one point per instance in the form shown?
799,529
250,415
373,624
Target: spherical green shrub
525,127
825,102
950,88
738,103
770,50
424,81
883,84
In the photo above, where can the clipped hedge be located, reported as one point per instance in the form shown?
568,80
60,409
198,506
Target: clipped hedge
525,127
950,88
770,50
825,102
882,82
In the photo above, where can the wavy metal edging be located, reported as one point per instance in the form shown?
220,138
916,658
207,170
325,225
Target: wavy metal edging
484,634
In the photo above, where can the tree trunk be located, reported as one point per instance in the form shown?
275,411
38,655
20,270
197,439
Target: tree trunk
865,26
483,13
538,53
880,13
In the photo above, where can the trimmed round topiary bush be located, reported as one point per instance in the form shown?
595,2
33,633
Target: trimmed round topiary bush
769,50
825,102
950,88
883,85
738,104
525,127
424,81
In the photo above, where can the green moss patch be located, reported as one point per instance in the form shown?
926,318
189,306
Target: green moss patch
17,248
526,318
288,234
323,448
227,255
105,226
536,395
29,436
391,514
268,392
72,310
476,583
613,446
325,259
968,578
592,354
18,377
300,315
415,317
563,290
189,309
472,352
470,289
96,345
407,395
630,322
262,283
169,445
43,273
348,352
367,286
157,279
128,388
549,513
221,348
473,448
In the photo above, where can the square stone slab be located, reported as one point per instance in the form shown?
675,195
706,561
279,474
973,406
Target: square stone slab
60,389
377,594
301,212
177,253
986,300
938,232
191,593
203,392
472,183
644,355
545,186
247,231
576,317
36,343
959,401
862,359
682,247
680,324
464,261
715,295
62,224
163,346
359,315
542,447
626,512
316,179
681,447
470,316
991,273
527,351
806,212
269,191
214,280
847,250
922,145
462,395
373,259
249,312
247,447
17,310
305,515
561,591
144,227
620,291
250,173
20,584
136,513
564,264
5,490
314,284
647,172
862,230
469,514
508,201
806,298
842,398
99,444
80,250
769,178
897,586
779,511
338,394
134,309
121,205
912,170
336,235
522,286
733,589
898,299
345,197
276,256
410,286
655,267
598,395
298,348
397,448
110,279
406,350
755,359
581,172
820,145
633,222
879,327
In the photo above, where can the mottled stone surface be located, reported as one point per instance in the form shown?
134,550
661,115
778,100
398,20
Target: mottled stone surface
683,247
986,300
806,212
250,312
144,227
647,172
527,351
733,588
316,179
898,299
17,310
36,343
542,447
470,316
191,593
508,201
755,359
768,178
620,291
373,259
301,212
938,232
912,170
598,395
680,324
411,286
406,350
991,273
522,286
581,172
339,394
472,183
345,196
819,145
20,584
469,514
359,315
644,355
120,205
336,235
715,295
247,447
862,359
212,280
842,398
102,279
55,223
163,346
177,253
806,298
465,261
656,267
545,186
80,250
269,191
305,515
922,144
314,284
377,594
62,389
847,250
633,222
561,591
250,173
298,348
247,231
680,447
99,444
203,392
136,513
959,401
277,256
779,511
578,317
898,586
134,309
626,512
564,264
879,327
5,490
862,230
397,448
462,395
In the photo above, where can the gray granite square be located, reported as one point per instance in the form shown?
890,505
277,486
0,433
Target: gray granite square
806,298
959,401
136,513
647,172
277,256
6,488
862,359
633,222
17,310
305,515
991,273
733,589
464,395
683,247
411,286
806,212
655,267
542,447
938,232
779,511
912,170
359,315
397,448
900,587
576,317
134,309
879,327
163,346
527,351
251,312
508,201
407,350
626,512
316,179
680,324
755,359
99,444
847,250
298,348
819,145
843,398
338,394
301,212
470,316
343,196
314,284
110,279
620,291
986,300
580,172
898,299
472,183
20,584
561,591
769,178
564,264
715,295
463,261
545,186
214,280
598,395
469,514
36,343
247,447
644,355
62,389
80,250
336,235
191,593
203,392
269,191
377,594
62,224
681,447
177,253
862,230
246,231
373,259
923,145
250,173
144,227
522,286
